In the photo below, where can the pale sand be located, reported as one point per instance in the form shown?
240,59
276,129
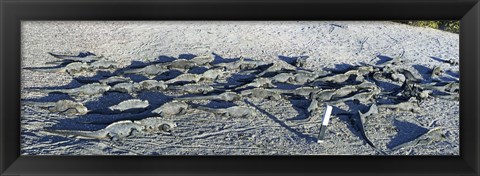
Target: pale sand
326,44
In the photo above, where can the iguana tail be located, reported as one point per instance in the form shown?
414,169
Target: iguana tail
46,70
50,90
196,98
82,134
207,109
40,104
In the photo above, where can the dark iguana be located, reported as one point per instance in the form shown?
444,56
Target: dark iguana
81,57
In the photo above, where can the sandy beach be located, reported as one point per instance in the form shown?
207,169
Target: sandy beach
326,45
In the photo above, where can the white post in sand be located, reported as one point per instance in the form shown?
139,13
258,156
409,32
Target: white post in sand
323,128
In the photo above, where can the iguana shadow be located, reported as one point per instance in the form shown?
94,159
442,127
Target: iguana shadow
406,132
339,68
219,59
424,71
438,59
107,99
351,119
281,123
453,74
71,85
300,105
50,98
98,120
383,59
291,60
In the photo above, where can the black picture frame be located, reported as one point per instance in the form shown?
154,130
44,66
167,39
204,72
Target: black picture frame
14,11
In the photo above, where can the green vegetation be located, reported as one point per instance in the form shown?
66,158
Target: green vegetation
450,26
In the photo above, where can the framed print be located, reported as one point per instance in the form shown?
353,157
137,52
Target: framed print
239,87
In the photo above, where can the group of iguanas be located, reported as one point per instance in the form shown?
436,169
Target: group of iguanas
234,81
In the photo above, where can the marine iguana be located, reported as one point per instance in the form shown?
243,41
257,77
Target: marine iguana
180,64
410,105
302,76
436,73
186,77
193,88
433,135
364,97
319,97
103,64
283,78
450,87
301,61
150,85
367,85
145,85
81,57
156,124
251,64
126,87
397,77
88,89
259,82
241,64
66,107
129,105
114,131
122,129
305,91
214,74
203,60
149,71
408,90
171,108
339,78
344,91
359,121
115,80
394,61
365,70
231,112
71,68
382,76
409,75
452,62
273,68
338,95
225,96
